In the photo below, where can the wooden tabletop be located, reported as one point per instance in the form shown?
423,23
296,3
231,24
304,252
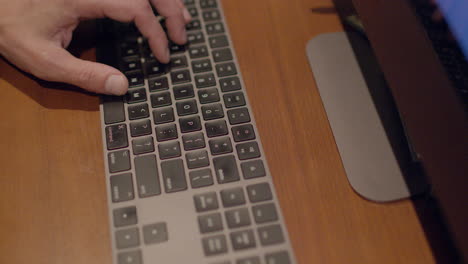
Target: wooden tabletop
52,190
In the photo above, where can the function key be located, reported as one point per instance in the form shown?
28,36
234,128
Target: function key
178,62
127,238
116,136
216,128
210,223
208,95
234,99
230,84
220,146
278,257
138,111
195,37
140,128
121,187
142,145
183,91
215,28
119,161
243,240
213,111
198,52
125,216
271,235
131,257
135,78
214,245
253,169
208,4
206,202
226,169
166,132
173,173
163,115
211,15
193,25
201,178
193,141
218,41
264,213
205,80
248,150
233,197
243,133
155,233
169,150
238,116
201,65
222,55
180,77
161,99
237,218
136,96
157,84
259,192
226,69
113,109
197,159
187,107
190,124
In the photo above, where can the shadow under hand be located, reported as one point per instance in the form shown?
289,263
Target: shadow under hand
53,95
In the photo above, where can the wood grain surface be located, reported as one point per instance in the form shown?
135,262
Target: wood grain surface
52,185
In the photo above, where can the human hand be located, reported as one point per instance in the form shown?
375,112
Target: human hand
35,33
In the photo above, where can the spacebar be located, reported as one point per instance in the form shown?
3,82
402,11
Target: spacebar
173,175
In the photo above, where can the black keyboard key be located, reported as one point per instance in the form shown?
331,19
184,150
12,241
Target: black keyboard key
233,197
180,77
253,169
125,216
216,128
243,240
187,107
205,80
147,177
230,84
222,55
178,62
183,92
193,141
155,233
271,235
220,146
140,128
158,84
198,52
214,245
190,124
248,150
201,66
226,69
234,99
195,38
211,15
129,49
238,116
193,25
121,187
161,99
169,150
142,145
131,64
154,68
138,111
251,260
208,4
174,48
210,95
166,132
136,95
197,159
163,115
237,218
116,136
130,257
193,11
278,257
264,213
113,109
135,79
206,202
213,111
173,173
210,223
215,28
119,161
226,169
201,178
259,192
243,133
218,41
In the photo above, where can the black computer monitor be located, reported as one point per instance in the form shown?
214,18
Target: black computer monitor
415,42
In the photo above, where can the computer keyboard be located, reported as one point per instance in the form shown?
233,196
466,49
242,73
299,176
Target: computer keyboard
187,179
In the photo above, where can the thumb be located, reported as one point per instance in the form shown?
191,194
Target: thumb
58,65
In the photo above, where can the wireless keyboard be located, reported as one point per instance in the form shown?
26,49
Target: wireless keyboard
187,179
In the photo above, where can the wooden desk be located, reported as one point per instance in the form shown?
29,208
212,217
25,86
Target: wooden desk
52,191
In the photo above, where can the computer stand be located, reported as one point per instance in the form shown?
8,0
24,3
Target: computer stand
379,163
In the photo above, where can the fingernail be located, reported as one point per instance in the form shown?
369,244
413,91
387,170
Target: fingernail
116,85
186,15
